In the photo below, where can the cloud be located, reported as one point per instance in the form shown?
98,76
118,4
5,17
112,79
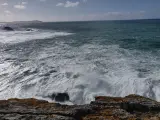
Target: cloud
68,4
71,4
60,4
7,12
24,3
4,4
20,6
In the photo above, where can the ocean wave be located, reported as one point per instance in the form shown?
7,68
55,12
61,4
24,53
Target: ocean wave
21,35
107,60
83,72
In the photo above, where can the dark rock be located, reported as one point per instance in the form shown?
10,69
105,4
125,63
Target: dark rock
60,97
103,103
8,28
81,111
145,106
52,71
28,29
132,107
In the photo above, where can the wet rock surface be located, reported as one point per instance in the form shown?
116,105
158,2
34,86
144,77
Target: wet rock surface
132,107
60,97
7,28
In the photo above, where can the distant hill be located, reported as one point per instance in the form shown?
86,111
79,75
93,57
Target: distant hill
34,21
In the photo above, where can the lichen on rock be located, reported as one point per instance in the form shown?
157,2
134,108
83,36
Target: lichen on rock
132,107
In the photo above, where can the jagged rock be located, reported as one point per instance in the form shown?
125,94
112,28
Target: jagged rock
132,107
60,97
145,106
28,29
8,28
81,111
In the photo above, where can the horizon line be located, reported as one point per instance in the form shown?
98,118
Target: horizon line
84,20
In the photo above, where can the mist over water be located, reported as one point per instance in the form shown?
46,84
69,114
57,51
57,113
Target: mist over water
83,59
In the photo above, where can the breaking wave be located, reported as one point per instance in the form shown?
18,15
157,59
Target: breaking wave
23,35
82,72
103,59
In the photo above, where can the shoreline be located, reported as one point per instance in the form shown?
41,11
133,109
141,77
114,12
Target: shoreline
131,107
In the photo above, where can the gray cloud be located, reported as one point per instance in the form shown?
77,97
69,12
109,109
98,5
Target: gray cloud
68,4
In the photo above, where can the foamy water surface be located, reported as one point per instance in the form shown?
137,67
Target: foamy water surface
81,62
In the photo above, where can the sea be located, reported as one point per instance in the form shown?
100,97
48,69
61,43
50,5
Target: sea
82,59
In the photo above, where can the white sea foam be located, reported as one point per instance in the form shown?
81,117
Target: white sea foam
22,35
83,72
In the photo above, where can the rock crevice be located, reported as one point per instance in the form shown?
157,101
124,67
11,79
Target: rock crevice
131,107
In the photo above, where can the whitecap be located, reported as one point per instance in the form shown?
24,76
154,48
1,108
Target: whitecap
22,35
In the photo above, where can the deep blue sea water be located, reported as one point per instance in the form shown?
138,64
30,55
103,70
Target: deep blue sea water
84,59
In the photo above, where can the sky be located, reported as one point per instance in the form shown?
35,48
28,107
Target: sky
78,10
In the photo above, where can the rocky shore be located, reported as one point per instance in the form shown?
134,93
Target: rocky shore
132,107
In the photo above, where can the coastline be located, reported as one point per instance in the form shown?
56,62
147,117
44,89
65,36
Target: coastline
132,107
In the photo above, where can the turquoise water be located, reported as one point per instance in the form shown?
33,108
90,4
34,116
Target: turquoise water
84,59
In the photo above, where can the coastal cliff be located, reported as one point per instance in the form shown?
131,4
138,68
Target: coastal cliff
132,107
